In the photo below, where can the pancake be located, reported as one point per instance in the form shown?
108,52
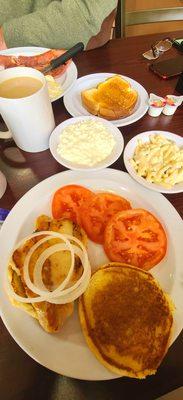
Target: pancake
126,319
50,316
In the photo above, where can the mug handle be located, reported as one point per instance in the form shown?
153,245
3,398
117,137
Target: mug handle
5,135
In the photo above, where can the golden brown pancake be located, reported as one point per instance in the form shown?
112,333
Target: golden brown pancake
126,319
50,316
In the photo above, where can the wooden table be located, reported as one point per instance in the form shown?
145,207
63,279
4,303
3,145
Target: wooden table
21,377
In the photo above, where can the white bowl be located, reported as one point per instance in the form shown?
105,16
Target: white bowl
117,135
128,154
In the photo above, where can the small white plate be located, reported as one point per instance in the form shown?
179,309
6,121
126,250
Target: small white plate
128,154
73,104
65,80
55,138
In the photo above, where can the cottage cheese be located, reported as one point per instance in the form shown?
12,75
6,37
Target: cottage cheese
86,143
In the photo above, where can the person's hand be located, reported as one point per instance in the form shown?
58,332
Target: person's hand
2,42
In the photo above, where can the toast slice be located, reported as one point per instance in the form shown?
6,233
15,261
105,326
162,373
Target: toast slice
112,99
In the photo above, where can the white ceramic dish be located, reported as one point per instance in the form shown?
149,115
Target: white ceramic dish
65,80
128,154
73,104
3,184
66,352
54,141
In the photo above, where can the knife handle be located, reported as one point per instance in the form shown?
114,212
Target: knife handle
67,55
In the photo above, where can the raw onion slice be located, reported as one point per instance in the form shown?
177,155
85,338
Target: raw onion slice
59,295
40,261
21,299
68,298
45,292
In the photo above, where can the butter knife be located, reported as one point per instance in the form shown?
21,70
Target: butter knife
77,48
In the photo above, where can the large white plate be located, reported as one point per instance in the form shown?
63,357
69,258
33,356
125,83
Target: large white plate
117,135
129,151
73,104
3,184
65,80
66,352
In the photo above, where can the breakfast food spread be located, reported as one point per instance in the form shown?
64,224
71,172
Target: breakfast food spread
54,87
125,316
112,99
159,161
87,143
126,319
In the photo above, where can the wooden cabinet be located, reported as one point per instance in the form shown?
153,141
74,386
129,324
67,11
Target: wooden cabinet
135,5
145,28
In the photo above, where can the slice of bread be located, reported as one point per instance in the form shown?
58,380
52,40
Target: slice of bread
112,99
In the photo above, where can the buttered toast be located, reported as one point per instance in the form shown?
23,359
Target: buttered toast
112,99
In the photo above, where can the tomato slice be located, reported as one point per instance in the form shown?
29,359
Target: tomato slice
97,211
68,200
135,237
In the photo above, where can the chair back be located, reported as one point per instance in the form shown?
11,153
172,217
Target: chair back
105,32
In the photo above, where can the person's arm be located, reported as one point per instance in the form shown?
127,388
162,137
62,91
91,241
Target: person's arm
2,42
59,25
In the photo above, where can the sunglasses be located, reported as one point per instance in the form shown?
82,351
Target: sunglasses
158,48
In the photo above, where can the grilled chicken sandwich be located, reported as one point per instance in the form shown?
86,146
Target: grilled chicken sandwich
50,316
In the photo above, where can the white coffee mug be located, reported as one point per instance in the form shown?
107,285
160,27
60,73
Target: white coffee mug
29,119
